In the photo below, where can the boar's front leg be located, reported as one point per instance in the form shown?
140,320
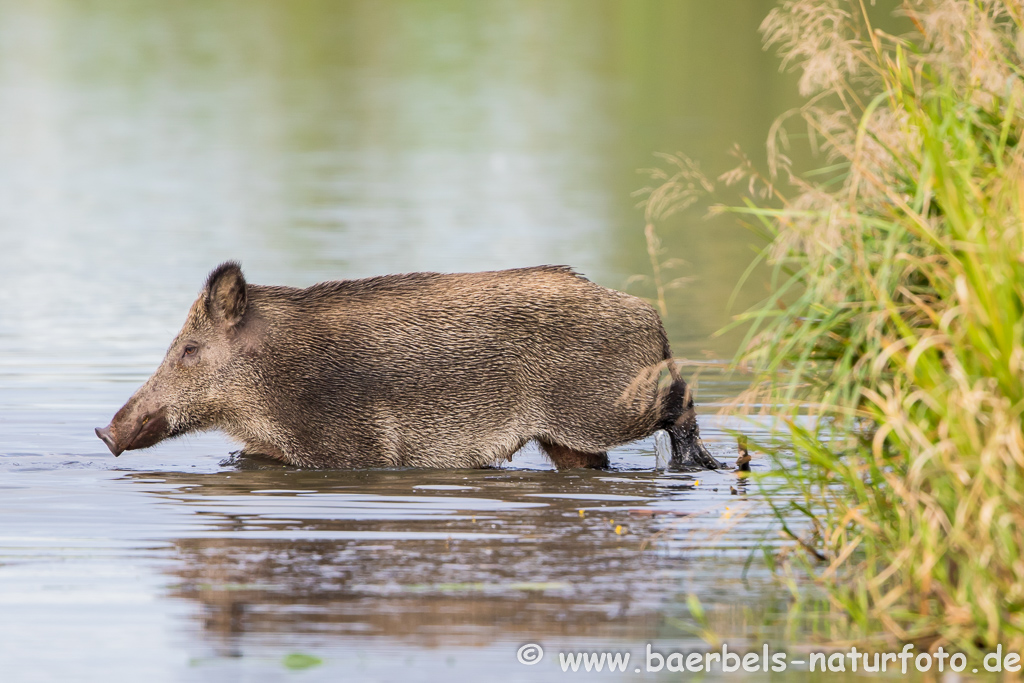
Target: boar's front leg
566,458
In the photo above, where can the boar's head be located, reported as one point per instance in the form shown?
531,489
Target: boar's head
200,379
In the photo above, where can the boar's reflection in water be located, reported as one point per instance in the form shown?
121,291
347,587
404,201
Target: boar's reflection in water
417,370
371,554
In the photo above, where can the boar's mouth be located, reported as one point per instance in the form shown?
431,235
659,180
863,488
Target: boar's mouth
149,430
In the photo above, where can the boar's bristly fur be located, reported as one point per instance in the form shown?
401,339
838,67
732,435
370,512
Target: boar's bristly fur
422,369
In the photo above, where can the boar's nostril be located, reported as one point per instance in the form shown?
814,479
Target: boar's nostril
105,435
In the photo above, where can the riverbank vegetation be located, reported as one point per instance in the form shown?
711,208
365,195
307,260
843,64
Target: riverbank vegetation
890,348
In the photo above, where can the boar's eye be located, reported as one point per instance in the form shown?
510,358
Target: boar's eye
190,350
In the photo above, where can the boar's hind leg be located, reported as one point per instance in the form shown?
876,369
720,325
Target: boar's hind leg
567,458
680,421
688,451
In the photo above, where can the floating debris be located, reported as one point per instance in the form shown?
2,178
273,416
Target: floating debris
743,462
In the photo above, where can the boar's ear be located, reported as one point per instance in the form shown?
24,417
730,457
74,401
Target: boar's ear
225,294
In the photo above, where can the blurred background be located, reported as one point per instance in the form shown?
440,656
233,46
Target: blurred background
143,142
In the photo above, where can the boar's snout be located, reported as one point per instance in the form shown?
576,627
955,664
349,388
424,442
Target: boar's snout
106,435
127,435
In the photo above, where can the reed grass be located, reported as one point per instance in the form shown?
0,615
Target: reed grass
891,345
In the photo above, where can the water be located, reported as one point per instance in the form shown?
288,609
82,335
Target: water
141,143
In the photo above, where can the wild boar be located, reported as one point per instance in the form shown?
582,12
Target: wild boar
417,370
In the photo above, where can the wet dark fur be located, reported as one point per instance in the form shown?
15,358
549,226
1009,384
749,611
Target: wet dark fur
422,369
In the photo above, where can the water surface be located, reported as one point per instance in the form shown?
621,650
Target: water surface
141,143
